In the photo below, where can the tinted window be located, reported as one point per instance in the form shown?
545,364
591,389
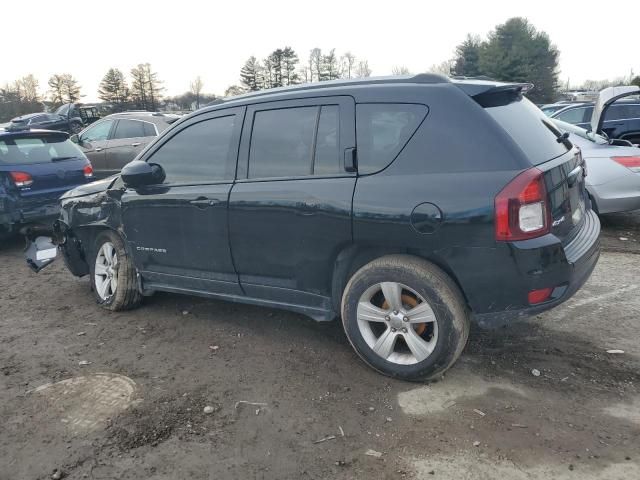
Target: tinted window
573,115
383,129
149,129
633,110
100,131
617,112
198,153
38,119
530,129
24,151
282,142
129,129
327,158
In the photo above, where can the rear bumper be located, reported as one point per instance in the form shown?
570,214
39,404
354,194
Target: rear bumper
17,213
542,263
621,195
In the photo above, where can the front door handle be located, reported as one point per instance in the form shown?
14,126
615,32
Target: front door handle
204,202
135,144
98,149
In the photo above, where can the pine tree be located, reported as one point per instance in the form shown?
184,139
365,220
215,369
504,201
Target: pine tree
113,88
331,68
289,65
146,88
251,75
56,89
275,62
467,56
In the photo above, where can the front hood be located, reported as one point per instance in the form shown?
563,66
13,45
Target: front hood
605,98
90,188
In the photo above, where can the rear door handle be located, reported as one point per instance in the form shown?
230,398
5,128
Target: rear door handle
203,202
98,149
135,144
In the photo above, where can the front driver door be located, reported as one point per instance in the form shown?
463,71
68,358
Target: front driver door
177,231
93,142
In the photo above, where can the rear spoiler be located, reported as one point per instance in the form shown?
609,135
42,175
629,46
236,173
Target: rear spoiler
501,94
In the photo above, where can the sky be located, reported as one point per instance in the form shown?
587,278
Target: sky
182,39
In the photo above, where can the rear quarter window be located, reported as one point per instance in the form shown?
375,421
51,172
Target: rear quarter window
530,129
382,131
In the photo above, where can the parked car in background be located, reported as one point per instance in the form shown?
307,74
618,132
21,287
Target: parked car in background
622,119
351,198
36,168
87,113
550,108
47,121
613,181
115,140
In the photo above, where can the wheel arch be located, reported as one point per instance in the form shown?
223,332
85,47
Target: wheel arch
354,257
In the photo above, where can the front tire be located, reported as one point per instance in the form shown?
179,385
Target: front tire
113,275
405,317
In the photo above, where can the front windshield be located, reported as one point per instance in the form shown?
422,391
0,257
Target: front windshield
580,132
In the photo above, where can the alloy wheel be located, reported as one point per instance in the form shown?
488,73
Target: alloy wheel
106,271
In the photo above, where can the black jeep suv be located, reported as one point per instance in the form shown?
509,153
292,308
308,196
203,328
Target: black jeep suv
409,206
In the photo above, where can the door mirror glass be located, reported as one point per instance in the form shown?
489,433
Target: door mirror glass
138,174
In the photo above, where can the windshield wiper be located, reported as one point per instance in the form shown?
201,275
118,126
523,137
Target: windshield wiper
563,138
59,159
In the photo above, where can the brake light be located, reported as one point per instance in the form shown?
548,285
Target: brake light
88,171
21,179
632,163
540,295
521,208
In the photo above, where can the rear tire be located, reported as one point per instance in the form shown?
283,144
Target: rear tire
415,337
113,275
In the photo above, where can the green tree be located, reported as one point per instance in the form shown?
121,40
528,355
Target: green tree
146,88
330,66
233,90
275,68
289,65
467,57
635,81
251,75
56,89
113,89
516,52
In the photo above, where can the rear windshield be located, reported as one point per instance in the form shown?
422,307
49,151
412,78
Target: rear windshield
530,129
29,150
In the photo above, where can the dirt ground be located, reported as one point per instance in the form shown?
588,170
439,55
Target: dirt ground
89,394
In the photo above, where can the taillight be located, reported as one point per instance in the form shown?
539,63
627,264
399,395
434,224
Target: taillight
632,163
540,295
88,171
21,179
521,208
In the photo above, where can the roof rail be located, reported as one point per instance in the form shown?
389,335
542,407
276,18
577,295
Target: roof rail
422,78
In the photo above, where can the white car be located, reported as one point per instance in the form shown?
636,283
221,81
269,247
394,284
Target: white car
613,169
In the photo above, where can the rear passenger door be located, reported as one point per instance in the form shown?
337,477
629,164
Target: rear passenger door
127,141
290,208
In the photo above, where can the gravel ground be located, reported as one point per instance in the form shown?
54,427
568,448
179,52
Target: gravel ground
89,394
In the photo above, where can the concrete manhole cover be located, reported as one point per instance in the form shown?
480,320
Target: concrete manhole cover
85,403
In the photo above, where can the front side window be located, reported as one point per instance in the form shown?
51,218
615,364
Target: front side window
99,132
199,152
129,129
383,129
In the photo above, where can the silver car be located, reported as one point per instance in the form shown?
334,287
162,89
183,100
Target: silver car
613,169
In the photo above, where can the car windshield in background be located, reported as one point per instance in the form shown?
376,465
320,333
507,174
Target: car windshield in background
580,132
530,129
30,150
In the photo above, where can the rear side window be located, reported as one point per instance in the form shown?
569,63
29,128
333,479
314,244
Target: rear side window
576,115
327,158
26,151
149,129
129,129
530,129
199,152
618,112
382,130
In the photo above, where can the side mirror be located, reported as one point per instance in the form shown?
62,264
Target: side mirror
75,138
138,174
